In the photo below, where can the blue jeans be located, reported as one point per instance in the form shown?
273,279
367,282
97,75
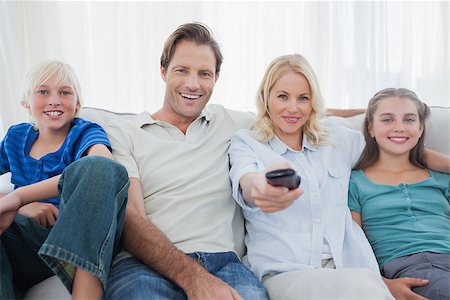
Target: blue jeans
131,279
93,193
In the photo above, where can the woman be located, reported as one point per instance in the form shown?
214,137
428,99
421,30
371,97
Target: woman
302,242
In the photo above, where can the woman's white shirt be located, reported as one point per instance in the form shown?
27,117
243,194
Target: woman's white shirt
300,236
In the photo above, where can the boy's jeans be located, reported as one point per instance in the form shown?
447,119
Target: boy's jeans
93,193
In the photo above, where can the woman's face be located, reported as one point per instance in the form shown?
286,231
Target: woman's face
290,105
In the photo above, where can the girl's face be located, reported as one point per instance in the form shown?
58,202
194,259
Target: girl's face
289,106
396,126
52,106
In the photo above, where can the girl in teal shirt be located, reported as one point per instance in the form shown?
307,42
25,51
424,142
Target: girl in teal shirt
402,206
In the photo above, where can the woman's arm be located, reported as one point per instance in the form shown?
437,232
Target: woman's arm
257,191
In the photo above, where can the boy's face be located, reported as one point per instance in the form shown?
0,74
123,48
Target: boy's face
190,79
52,106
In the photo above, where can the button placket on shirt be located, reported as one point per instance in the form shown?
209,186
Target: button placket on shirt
316,212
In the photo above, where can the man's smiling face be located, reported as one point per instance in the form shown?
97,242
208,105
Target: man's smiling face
190,79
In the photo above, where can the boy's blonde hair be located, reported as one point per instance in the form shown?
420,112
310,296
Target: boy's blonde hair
315,131
45,70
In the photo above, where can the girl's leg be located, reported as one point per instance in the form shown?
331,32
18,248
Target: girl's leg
93,192
425,265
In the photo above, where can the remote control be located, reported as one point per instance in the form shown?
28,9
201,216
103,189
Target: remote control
283,177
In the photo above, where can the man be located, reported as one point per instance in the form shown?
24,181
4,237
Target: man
180,196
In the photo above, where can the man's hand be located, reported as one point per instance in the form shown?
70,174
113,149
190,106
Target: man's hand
206,286
9,204
400,288
43,213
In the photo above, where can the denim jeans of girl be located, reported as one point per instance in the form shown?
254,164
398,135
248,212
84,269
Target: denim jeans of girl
131,279
93,193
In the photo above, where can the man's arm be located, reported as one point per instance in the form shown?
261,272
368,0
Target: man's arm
147,243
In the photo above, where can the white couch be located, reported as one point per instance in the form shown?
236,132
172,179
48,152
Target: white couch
437,138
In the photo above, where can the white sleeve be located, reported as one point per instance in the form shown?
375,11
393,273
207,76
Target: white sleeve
122,146
243,159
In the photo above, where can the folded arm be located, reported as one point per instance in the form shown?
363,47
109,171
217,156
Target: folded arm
23,199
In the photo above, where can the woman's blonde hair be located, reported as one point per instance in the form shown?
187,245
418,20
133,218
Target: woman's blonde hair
315,131
45,70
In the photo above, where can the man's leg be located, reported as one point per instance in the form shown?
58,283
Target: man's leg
425,265
327,283
21,267
131,279
231,270
93,192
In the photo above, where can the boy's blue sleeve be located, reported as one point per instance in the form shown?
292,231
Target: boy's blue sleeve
90,134
4,162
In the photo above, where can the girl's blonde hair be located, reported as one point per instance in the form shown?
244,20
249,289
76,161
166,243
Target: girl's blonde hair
45,70
315,131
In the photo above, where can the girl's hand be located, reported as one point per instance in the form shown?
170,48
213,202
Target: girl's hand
400,288
43,213
9,204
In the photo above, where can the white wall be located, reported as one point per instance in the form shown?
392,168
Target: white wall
356,48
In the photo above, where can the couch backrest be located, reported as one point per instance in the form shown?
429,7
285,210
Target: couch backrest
437,126
437,135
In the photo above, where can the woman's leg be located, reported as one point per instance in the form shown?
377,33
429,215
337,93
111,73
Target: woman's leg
327,284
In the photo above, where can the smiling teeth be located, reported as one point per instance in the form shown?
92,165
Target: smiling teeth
192,97
53,113
398,139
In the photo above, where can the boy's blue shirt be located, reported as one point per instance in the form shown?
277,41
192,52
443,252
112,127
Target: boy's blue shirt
25,170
